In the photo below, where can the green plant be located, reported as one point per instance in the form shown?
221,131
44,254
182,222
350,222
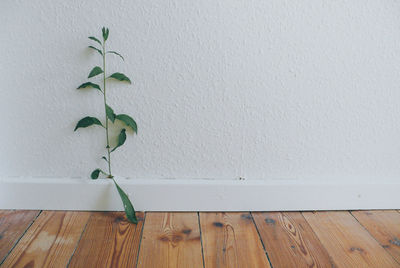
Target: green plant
110,116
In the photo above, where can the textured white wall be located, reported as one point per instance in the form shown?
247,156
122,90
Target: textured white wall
222,89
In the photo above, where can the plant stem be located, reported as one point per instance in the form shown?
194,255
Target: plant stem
105,109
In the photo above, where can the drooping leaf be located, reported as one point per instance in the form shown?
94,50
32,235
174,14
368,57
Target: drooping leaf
95,39
128,121
89,84
120,77
110,113
116,53
98,50
95,71
105,32
121,139
87,121
128,207
105,158
95,174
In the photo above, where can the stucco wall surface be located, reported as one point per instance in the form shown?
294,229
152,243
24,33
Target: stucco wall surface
221,89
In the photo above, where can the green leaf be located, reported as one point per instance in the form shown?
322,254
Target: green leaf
120,77
98,50
129,210
87,121
116,53
89,84
128,121
105,158
95,39
121,139
95,174
105,32
95,71
110,113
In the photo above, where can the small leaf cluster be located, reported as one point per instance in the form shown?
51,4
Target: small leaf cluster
110,115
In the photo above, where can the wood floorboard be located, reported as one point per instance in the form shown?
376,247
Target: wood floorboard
384,226
290,241
13,224
109,240
171,239
347,242
50,241
200,240
231,240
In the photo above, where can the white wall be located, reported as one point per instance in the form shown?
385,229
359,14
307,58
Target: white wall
222,89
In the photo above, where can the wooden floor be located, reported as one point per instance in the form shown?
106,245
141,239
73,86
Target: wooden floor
241,239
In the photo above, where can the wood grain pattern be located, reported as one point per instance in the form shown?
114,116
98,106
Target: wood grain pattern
347,242
231,240
171,240
384,226
109,240
290,241
50,241
13,224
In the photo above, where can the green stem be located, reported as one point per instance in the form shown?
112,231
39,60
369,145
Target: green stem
105,109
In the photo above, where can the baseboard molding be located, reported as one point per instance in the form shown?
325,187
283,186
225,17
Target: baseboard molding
197,195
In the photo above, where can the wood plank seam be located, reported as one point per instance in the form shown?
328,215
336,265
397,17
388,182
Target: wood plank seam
83,231
290,241
108,241
351,213
384,225
347,242
312,229
140,239
19,239
315,234
201,239
253,217
231,240
49,242
262,242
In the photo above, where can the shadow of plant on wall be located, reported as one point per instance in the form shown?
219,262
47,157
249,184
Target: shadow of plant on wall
110,116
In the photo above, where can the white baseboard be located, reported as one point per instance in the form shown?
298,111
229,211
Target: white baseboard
197,195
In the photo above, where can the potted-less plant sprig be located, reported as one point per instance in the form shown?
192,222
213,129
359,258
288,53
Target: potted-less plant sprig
109,117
